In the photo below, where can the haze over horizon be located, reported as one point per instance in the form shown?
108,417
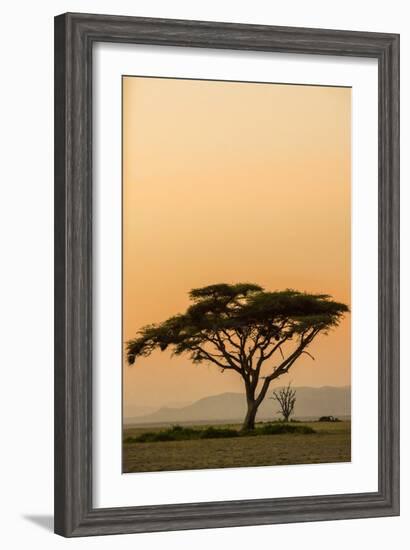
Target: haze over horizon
229,406
232,182
137,406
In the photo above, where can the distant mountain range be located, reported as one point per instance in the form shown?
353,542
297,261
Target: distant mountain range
141,410
310,403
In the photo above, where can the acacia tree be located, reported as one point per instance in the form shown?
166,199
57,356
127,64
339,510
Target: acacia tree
257,334
286,397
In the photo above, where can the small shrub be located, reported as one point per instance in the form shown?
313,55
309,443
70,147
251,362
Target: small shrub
214,433
164,436
181,433
146,437
176,428
272,429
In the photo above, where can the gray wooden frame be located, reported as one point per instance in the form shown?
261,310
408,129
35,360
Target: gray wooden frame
74,38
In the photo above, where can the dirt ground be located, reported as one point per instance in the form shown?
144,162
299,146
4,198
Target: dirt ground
331,443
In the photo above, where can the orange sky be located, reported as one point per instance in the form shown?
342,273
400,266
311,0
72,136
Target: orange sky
231,182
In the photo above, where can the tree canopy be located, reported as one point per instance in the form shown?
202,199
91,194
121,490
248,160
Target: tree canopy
241,327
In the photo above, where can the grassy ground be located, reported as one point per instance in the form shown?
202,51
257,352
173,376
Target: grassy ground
330,443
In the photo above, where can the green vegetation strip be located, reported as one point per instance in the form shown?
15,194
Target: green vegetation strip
179,433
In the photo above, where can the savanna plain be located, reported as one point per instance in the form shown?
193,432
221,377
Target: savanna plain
323,442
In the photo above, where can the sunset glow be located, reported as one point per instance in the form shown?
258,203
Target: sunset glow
232,182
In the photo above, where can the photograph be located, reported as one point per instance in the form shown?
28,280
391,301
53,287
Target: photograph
226,272
236,274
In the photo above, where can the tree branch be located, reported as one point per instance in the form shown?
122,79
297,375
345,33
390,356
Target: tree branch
212,358
231,359
287,363
229,338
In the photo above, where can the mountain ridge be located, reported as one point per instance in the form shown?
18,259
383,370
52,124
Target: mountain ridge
231,406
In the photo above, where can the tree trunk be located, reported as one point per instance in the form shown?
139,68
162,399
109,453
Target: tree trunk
249,422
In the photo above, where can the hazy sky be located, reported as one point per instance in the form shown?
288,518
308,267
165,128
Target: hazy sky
232,182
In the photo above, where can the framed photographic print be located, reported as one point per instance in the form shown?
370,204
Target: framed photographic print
226,274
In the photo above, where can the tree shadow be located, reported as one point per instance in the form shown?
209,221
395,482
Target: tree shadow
44,521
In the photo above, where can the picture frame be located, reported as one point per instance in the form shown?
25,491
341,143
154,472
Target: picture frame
75,36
